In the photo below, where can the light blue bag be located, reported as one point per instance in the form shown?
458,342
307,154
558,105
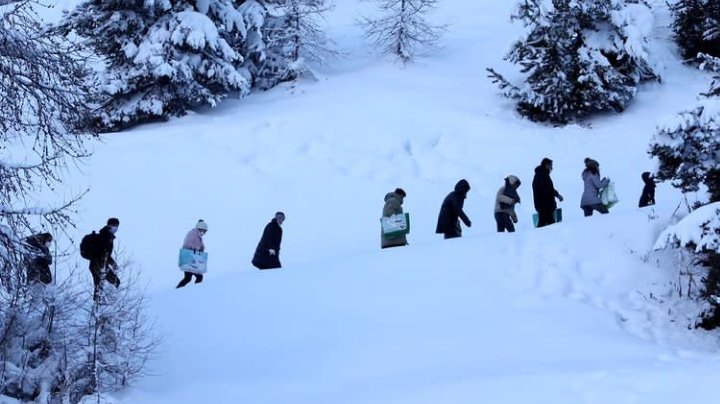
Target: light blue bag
190,261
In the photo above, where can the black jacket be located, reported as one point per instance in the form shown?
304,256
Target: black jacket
544,192
105,249
270,240
452,209
648,193
38,261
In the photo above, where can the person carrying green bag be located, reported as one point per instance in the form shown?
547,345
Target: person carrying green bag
393,206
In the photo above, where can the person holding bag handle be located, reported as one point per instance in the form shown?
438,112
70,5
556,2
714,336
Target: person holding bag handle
393,206
193,249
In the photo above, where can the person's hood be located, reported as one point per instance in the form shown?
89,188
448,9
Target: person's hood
646,178
541,170
586,174
462,186
391,195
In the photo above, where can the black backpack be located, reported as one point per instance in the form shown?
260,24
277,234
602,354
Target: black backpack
90,246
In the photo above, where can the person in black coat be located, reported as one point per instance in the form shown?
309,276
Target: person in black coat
544,193
648,193
102,265
267,253
38,258
451,210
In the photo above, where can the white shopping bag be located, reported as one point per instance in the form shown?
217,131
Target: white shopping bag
395,225
608,197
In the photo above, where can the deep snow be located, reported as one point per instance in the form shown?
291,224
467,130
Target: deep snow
580,312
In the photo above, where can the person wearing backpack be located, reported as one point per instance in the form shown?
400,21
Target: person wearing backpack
267,253
98,248
194,241
593,184
393,206
505,201
38,258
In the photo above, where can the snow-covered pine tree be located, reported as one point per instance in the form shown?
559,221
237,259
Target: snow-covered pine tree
163,56
580,57
403,29
294,39
696,24
688,149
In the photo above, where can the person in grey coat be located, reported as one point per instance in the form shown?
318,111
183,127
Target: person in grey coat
393,206
505,201
590,200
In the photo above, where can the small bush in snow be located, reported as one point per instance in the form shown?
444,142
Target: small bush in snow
403,30
697,27
580,57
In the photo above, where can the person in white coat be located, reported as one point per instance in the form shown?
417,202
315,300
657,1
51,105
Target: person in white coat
194,241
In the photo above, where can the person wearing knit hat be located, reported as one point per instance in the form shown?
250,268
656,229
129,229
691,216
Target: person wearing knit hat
591,189
194,242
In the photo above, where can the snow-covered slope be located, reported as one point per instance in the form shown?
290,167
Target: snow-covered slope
562,314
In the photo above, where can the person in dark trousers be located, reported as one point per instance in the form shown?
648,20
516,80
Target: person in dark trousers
393,206
194,241
267,253
38,258
505,201
452,209
648,193
592,184
102,264
544,193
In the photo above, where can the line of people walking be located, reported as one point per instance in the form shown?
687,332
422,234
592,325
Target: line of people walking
97,247
545,201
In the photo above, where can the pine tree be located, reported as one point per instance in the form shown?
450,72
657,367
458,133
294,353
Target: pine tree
580,57
697,27
403,30
688,149
294,40
164,56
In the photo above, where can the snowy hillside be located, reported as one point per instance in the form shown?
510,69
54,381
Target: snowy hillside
573,313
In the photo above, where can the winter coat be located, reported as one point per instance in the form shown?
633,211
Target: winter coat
544,192
452,209
270,240
393,206
105,247
507,197
593,185
193,241
38,260
648,193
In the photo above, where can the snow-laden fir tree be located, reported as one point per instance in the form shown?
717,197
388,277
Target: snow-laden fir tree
163,56
294,40
579,56
403,29
688,151
688,148
696,24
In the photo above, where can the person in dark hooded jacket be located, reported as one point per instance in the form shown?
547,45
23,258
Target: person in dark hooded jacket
38,258
452,209
648,193
267,253
544,193
102,264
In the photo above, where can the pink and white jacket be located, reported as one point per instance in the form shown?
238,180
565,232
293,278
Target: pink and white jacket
193,241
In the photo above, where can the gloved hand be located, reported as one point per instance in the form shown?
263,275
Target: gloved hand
469,223
272,252
514,218
560,197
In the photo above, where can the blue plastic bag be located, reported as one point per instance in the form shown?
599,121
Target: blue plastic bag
191,261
